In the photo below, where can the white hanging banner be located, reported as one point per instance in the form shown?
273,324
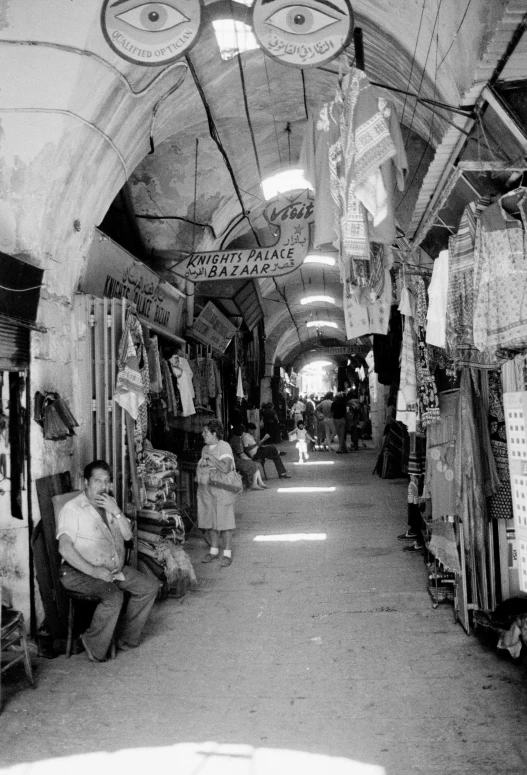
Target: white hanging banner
291,214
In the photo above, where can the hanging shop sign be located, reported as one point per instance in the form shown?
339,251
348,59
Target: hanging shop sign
212,328
113,273
351,349
151,34
291,214
305,34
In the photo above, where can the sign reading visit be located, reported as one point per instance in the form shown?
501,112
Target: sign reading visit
291,215
151,34
213,328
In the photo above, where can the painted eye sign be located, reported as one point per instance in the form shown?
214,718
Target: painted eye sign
150,33
303,35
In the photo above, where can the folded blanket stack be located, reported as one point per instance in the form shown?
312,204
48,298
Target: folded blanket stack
160,529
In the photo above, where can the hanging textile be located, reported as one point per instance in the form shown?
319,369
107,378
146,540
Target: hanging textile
461,295
500,308
372,319
426,387
500,504
441,464
154,364
314,160
407,396
437,301
130,391
239,386
393,172
183,374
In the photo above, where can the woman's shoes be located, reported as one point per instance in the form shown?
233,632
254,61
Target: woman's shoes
285,476
210,557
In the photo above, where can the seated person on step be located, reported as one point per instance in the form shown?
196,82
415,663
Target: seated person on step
91,531
262,452
249,469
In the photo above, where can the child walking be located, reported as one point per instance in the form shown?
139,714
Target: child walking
302,435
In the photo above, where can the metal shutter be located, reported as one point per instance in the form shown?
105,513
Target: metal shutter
14,346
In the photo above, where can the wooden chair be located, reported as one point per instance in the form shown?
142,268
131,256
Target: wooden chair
75,600
13,633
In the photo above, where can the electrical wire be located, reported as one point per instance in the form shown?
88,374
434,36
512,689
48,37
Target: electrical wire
413,56
19,290
455,34
423,71
215,136
272,111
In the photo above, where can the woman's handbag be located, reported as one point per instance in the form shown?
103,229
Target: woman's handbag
232,482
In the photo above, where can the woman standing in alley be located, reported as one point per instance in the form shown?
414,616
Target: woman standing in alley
215,506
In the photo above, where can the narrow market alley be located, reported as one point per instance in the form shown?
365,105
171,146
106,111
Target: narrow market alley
326,643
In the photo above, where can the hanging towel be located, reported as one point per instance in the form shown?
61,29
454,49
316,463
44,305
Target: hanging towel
129,390
239,388
437,301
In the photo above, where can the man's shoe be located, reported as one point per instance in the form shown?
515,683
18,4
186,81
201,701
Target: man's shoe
123,646
225,561
408,536
210,557
282,453
415,547
89,652
285,476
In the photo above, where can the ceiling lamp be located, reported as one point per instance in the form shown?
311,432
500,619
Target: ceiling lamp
319,323
320,258
313,299
282,182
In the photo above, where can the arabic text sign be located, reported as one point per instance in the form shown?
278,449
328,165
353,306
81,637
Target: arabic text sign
291,214
112,272
213,328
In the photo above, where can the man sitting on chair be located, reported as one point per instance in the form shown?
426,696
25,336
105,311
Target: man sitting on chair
91,531
261,452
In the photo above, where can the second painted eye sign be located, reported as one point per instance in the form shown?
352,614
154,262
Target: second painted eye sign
303,35
150,33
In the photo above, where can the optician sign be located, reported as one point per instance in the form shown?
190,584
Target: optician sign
150,33
290,214
113,273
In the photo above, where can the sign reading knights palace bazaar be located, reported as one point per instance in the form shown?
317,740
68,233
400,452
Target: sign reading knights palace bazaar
291,214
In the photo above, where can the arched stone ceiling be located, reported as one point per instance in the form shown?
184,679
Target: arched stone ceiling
77,122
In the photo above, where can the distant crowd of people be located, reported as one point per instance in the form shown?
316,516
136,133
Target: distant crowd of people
331,417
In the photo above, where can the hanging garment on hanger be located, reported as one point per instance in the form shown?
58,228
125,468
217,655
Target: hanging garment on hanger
183,374
437,301
393,172
314,160
459,335
500,280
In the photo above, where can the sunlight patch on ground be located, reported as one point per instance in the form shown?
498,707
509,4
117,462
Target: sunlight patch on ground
316,463
306,489
293,537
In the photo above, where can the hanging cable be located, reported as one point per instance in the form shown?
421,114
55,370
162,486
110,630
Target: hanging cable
423,71
455,34
248,116
271,106
215,136
413,56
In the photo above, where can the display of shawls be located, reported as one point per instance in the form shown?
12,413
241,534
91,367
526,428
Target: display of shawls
440,484
360,143
460,296
426,387
500,280
472,489
500,504
437,301
407,396
372,319
393,173
130,391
